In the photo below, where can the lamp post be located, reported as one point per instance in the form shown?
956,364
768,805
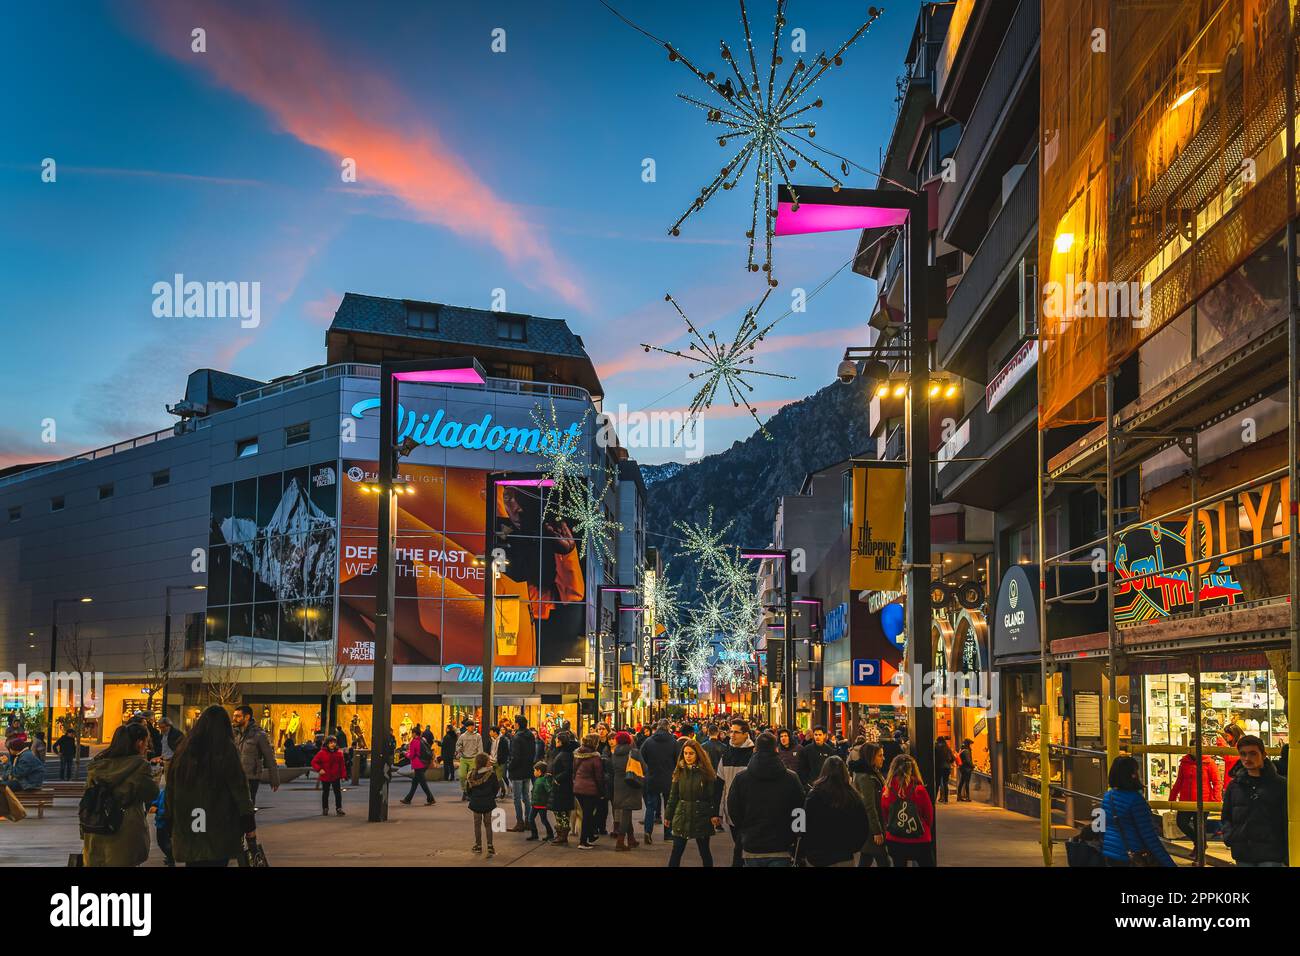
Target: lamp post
788,691
54,661
459,371
167,635
601,591
822,209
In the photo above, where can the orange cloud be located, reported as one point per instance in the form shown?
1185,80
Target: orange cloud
286,68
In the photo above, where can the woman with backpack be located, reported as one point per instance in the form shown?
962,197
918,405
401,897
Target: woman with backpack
835,819
908,814
420,755
627,774
329,763
562,780
205,782
119,786
870,784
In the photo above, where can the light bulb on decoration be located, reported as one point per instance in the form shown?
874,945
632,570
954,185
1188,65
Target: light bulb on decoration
934,389
1063,242
951,390
900,390
882,390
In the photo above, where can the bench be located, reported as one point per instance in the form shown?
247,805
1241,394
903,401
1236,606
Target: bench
31,800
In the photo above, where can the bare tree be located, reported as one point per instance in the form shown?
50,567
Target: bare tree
80,655
336,679
221,678
160,665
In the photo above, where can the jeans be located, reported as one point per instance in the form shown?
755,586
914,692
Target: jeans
325,788
945,778
652,802
963,783
65,767
679,847
417,780
919,853
1186,820
482,821
523,791
449,769
589,808
539,813
768,861
252,791
602,816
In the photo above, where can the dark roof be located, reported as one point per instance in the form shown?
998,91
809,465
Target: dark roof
456,324
225,386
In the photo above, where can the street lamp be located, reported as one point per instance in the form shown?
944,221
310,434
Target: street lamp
601,591
167,635
821,209
788,692
458,371
54,660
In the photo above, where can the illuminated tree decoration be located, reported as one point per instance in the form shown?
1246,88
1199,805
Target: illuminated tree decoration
564,461
591,524
726,363
765,121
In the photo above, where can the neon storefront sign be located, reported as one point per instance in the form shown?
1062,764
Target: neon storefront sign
473,674
437,430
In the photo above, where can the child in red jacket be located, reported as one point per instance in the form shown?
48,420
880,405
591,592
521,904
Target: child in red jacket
329,763
908,813
1184,788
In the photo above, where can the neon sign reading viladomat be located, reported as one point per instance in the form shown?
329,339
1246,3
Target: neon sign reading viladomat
435,430
473,674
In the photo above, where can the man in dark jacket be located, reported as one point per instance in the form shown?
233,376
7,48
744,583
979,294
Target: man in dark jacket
523,754
1254,809
66,748
660,755
813,755
255,753
714,745
760,807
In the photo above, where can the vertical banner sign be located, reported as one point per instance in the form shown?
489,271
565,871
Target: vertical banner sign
876,559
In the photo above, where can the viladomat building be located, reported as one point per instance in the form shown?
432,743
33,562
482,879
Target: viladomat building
231,556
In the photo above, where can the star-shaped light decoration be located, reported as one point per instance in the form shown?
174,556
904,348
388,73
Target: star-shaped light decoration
591,524
564,460
766,123
726,363
702,543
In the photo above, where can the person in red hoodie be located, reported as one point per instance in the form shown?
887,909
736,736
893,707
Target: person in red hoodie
1185,789
329,763
908,814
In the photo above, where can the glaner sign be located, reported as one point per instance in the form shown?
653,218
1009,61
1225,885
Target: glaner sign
1015,624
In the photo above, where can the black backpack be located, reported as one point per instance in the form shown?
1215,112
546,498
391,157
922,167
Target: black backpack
426,752
904,822
100,811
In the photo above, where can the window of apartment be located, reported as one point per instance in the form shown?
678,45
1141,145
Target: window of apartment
511,328
16,513
105,491
161,478
56,503
246,447
297,434
421,317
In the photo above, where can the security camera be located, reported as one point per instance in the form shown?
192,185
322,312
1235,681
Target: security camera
847,372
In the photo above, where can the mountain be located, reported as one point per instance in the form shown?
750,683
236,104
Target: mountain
743,482
651,474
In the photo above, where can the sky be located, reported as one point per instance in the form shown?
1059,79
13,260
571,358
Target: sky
476,170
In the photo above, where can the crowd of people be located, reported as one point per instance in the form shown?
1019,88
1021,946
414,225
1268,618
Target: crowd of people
785,797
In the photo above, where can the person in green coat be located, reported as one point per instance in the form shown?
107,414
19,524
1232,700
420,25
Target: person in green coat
207,794
124,769
869,779
693,810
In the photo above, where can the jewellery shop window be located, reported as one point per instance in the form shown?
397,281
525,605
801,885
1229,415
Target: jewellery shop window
1249,699
1025,729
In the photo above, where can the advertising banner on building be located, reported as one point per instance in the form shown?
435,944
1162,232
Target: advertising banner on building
876,547
540,614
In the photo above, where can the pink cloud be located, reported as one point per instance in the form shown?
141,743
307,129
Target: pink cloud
286,68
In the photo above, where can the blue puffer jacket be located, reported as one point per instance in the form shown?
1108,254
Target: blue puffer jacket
1130,827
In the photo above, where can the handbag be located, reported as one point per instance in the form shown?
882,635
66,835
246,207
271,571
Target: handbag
635,774
251,854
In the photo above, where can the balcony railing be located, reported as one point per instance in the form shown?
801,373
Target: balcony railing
993,264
